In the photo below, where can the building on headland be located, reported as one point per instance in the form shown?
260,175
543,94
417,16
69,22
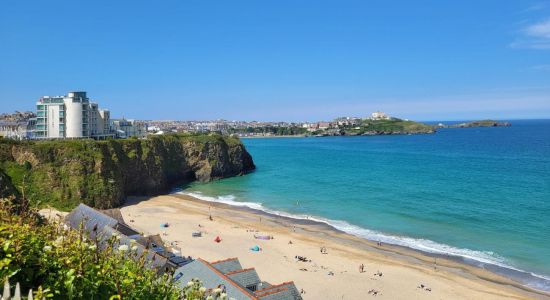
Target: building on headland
71,116
380,116
124,128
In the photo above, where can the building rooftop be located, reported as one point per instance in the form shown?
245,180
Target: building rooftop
240,284
102,228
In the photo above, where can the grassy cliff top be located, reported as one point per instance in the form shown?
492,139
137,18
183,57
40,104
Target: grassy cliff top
101,174
482,123
391,126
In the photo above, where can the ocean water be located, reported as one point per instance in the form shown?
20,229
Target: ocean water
480,194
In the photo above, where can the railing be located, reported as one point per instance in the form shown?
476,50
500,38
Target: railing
6,295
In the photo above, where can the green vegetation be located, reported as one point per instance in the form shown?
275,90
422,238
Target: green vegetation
101,174
365,127
392,126
63,264
58,263
481,123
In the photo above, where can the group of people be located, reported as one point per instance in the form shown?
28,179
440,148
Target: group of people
374,292
301,258
421,286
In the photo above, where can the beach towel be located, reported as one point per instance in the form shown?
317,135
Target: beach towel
196,234
262,237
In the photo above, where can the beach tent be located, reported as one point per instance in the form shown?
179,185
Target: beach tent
255,248
217,239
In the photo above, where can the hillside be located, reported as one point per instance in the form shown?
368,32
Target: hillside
481,123
103,173
392,126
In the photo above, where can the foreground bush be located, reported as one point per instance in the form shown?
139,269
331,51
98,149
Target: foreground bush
62,264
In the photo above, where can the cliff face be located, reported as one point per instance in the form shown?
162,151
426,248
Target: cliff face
102,173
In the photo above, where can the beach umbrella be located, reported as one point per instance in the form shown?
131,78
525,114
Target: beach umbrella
217,239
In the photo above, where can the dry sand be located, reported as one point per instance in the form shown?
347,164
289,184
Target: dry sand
403,270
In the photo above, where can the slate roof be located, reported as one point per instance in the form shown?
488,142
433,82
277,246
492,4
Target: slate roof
102,227
282,291
92,220
227,265
245,278
212,275
211,278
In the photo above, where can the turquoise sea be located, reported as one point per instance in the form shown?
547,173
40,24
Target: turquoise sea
481,195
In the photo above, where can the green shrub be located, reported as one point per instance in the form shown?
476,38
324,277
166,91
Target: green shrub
60,263
64,264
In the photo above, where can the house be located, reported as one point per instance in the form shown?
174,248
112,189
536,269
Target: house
238,283
125,128
102,227
380,116
17,130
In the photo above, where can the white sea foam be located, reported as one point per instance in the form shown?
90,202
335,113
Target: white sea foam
477,257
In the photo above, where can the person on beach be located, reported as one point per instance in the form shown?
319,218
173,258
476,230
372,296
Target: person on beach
362,268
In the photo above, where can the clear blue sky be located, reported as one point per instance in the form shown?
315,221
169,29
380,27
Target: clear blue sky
281,59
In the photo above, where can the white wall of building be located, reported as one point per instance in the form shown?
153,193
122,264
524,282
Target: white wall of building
53,121
73,119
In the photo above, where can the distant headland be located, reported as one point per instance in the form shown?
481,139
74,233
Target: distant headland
481,123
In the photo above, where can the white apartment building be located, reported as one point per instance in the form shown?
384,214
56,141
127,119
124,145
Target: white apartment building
71,116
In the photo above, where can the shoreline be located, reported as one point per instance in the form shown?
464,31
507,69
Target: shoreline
407,262
273,136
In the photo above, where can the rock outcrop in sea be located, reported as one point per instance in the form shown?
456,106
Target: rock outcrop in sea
103,173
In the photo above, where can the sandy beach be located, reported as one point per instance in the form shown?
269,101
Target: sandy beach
402,273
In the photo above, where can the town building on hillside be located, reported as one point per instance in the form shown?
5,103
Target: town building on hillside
347,121
380,116
124,128
71,116
324,125
17,130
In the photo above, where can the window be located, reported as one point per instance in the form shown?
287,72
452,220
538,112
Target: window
252,287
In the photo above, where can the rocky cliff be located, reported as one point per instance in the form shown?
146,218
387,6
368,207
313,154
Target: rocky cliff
103,173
